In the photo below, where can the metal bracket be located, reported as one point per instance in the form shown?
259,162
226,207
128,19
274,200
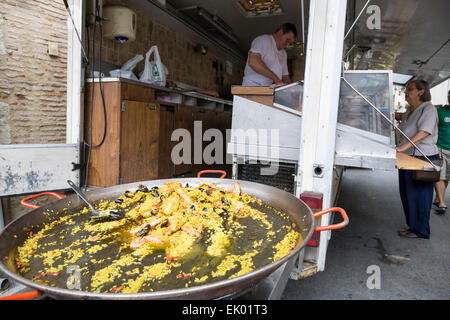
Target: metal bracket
122,106
151,106
77,166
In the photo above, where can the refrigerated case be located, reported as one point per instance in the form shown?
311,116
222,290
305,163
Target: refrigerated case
376,86
364,138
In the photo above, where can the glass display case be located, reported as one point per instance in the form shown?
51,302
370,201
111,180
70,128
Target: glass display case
376,86
290,95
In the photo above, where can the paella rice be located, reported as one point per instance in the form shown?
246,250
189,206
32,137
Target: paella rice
182,236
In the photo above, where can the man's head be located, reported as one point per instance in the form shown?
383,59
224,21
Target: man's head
285,35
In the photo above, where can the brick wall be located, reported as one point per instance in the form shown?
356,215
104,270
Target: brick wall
32,82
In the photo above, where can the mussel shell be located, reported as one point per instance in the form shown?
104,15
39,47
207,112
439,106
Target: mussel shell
116,214
143,231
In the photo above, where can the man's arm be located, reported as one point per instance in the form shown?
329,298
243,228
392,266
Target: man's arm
255,62
286,79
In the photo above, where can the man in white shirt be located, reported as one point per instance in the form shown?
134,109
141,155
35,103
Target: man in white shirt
267,59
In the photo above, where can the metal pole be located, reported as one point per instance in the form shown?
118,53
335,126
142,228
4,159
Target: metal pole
303,26
356,20
392,123
2,219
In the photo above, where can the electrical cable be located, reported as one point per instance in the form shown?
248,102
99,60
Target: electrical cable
89,145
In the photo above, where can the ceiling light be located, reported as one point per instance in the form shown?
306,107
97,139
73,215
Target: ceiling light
258,8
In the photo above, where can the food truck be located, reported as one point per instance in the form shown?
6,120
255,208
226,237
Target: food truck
337,113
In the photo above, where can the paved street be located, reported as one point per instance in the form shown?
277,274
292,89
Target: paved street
410,268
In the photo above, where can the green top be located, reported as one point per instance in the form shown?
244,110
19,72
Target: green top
444,127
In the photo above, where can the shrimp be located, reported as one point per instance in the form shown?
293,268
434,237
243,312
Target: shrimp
175,224
169,187
140,241
237,188
170,204
193,230
238,207
184,197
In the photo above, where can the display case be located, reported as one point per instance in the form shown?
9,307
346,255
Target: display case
290,96
364,138
377,87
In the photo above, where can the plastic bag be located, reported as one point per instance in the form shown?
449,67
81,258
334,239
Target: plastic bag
127,69
130,64
154,71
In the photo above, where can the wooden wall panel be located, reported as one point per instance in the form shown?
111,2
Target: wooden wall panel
104,160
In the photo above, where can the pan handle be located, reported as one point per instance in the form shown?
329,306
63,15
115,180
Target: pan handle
199,174
32,206
23,296
333,226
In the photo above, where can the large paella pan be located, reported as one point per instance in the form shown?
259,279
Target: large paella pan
178,239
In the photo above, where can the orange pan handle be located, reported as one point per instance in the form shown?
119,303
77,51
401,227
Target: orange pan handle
199,174
23,296
32,206
332,226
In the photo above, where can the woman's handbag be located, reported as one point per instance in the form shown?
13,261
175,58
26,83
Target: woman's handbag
428,175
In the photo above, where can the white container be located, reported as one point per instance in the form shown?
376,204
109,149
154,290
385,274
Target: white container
119,23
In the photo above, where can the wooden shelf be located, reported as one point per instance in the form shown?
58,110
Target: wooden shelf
406,162
261,91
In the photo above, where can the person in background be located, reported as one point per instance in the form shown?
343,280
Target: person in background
267,59
443,144
420,125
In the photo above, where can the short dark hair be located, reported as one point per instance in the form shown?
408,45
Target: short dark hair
422,85
288,27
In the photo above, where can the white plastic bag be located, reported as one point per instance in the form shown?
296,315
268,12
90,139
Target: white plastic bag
127,69
154,71
130,64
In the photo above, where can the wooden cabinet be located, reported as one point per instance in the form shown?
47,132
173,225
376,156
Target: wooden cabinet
137,145
130,150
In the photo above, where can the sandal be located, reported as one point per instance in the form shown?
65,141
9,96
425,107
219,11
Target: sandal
442,209
436,204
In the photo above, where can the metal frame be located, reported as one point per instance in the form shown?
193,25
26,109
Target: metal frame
320,105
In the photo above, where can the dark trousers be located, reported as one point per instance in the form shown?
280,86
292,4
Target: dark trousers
417,198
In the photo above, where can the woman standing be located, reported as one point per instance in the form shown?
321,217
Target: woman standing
420,124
